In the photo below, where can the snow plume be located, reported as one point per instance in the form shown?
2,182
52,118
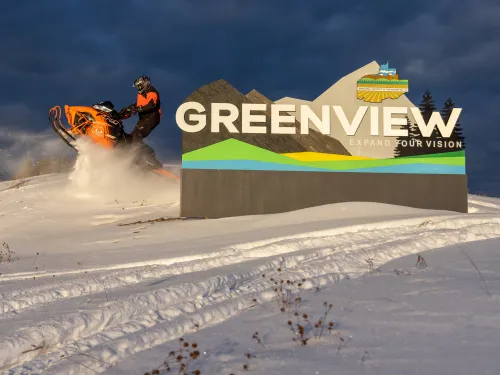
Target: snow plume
17,148
104,175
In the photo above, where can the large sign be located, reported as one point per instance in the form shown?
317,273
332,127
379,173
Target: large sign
346,129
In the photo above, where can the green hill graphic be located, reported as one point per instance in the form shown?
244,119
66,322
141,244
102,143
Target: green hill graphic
233,149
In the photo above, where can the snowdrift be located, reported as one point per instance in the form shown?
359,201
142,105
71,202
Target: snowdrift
87,291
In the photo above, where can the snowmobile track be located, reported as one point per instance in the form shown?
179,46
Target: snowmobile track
106,333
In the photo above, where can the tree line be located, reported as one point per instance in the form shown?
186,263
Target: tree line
407,146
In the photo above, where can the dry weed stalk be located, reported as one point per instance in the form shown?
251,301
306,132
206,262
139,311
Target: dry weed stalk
370,265
317,328
401,272
183,358
258,339
249,356
7,255
421,263
288,293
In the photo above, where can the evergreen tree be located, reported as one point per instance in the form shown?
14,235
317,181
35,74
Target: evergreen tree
427,107
419,147
457,135
410,148
399,150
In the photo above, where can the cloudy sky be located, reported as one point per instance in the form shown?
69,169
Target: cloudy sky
83,51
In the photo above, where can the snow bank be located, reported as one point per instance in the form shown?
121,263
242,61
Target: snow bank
151,315
87,292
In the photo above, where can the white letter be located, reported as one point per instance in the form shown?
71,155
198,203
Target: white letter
247,119
307,114
390,121
445,130
227,121
350,129
276,119
179,117
374,120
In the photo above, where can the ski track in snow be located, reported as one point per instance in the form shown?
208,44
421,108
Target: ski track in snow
151,303
111,331
477,204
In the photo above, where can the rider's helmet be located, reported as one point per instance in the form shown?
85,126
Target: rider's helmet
105,106
142,84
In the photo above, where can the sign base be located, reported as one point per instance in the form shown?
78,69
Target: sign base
229,193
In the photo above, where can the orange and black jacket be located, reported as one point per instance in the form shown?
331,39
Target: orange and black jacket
149,101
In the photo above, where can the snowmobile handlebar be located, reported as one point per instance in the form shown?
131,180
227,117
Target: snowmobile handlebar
128,111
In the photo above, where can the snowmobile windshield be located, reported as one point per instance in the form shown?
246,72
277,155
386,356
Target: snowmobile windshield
102,108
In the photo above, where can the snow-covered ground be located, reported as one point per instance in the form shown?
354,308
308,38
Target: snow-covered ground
90,292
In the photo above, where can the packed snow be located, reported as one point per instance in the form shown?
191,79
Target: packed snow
91,282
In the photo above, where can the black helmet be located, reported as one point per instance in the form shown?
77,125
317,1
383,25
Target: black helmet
105,106
142,83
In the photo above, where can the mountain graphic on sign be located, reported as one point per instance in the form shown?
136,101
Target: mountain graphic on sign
343,93
221,91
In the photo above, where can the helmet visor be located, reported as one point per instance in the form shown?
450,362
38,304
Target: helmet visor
139,84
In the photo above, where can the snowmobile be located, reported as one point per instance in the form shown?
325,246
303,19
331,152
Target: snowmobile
102,125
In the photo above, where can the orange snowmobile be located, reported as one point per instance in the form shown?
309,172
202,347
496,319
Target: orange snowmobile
102,124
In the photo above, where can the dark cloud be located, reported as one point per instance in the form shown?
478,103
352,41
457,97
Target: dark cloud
78,52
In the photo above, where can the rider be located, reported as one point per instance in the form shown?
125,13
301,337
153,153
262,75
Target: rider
115,118
148,107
